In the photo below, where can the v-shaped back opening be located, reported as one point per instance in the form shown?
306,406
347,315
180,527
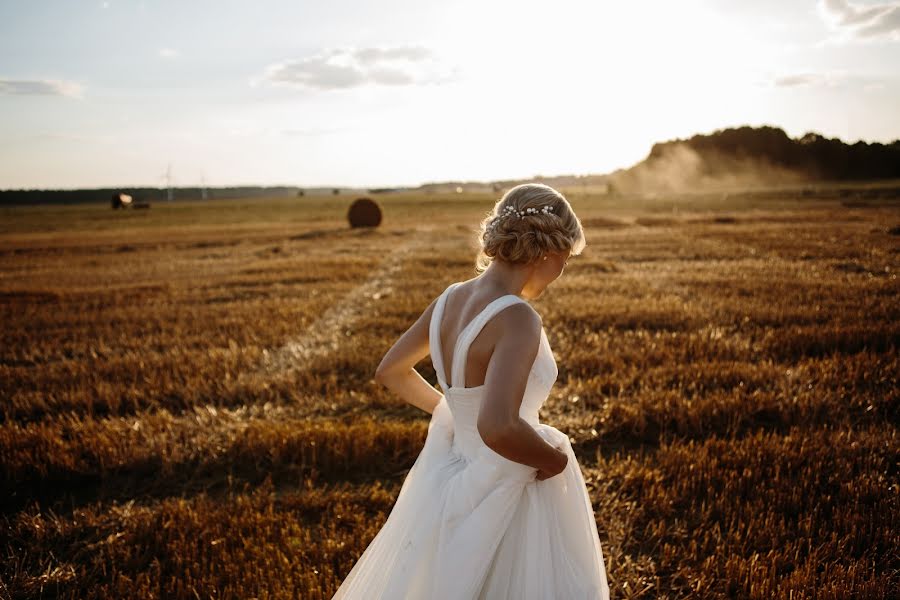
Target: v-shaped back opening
438,348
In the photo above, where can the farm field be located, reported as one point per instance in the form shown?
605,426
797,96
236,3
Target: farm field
188,410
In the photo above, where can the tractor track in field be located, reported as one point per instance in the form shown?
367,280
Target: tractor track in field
323,336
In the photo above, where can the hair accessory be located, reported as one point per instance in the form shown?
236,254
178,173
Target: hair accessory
509,210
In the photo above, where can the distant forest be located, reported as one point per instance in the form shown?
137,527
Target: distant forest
753,156
139,195
733,157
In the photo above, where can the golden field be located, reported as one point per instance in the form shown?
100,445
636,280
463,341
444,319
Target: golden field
188,410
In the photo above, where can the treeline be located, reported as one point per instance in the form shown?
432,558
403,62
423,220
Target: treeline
731,158
140,195
813,154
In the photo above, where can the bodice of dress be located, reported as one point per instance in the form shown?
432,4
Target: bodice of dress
465,402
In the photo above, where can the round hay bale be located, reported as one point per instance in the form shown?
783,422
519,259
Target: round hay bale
120,200
364,212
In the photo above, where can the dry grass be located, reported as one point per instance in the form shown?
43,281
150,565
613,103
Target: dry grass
188,407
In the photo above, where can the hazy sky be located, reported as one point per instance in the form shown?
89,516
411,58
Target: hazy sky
387,93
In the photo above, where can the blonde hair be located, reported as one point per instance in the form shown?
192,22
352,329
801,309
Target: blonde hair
522,240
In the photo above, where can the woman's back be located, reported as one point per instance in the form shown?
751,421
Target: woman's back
464,302
465,402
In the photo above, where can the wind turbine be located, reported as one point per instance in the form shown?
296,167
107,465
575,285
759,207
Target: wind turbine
167,176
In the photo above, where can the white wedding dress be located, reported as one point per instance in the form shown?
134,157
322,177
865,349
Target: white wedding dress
469,523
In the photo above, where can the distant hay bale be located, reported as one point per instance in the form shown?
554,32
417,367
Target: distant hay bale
364,212
120,200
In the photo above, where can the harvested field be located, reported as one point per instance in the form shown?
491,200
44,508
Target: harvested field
188,410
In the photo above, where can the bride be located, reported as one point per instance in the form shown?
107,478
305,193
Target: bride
495,506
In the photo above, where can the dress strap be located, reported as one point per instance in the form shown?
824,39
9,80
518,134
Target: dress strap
434,336
461,351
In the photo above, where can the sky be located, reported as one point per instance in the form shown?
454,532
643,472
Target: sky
398,93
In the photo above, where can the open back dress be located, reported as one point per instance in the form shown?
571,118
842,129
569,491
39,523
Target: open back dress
471,524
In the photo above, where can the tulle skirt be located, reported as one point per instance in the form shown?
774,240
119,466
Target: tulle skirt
483,528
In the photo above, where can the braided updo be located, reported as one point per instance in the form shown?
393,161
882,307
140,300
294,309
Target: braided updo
547,224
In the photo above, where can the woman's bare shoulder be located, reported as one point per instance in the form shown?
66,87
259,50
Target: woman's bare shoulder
521,313
520,319
517,333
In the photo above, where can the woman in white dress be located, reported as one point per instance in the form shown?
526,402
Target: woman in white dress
495,506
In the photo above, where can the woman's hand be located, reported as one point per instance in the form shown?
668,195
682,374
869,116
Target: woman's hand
563,461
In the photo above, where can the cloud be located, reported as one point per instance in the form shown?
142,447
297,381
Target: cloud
862,21
168,53
807,79
829,79
373,55
39,87
343,68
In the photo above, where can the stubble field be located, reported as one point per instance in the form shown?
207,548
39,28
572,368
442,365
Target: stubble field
188,410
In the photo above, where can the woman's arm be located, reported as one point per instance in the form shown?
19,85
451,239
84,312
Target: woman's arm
413,388
396,370
499,423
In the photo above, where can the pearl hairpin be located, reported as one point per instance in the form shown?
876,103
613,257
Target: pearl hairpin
512,210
